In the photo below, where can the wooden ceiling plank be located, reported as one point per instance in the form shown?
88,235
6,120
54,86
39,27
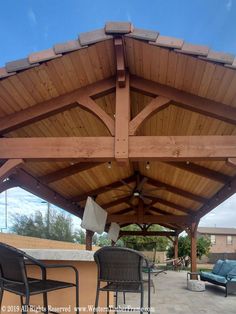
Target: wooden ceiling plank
170,204
116,202
104,189
153,107
189,101
68,171
201,171
177,191
55,105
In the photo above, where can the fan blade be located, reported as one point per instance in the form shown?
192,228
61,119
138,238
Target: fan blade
145,199
141,184
155,189
149,194
126,184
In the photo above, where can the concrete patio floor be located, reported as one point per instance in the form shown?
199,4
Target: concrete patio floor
171,297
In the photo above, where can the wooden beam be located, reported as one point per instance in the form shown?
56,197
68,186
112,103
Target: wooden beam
178,191
31,184
170,148
189,101
201,171
120,61
156,104
149,219
225,192
122,122
8,167
116,202
170,204
231,162
104,189
147,233
6,185
72,148
89,240
140,211
58,104
160,211
68,171
91,106
165,148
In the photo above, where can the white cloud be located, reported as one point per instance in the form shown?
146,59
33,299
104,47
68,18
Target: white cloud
228,5
32,17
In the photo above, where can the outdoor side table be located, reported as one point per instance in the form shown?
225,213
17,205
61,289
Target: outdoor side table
195,285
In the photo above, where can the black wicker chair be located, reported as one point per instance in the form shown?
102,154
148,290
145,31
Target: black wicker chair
13,277
120,270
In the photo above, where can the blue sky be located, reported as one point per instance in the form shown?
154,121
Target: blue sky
27,25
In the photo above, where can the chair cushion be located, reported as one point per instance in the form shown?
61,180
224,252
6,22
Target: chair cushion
217,266
211,276
232,273
226,267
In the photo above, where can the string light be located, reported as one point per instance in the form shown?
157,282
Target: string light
147,165
109,165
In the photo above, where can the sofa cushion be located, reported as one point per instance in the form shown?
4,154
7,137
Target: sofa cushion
211,276
232,273
226,267
217,266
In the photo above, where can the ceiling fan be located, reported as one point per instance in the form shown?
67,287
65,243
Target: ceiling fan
138,192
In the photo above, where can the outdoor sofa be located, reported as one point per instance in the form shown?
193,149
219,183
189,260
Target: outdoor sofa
223,274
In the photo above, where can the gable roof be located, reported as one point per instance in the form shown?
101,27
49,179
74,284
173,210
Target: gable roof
48,77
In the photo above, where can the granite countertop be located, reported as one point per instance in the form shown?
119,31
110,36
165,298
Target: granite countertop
60,255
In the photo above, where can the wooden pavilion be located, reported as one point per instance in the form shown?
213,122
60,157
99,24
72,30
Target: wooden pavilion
144,123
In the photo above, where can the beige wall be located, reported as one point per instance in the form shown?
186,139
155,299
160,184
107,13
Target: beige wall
36,243
65,297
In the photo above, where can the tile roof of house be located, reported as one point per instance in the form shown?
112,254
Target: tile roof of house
111,30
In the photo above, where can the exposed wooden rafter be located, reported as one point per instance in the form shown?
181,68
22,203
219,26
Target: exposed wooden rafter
189,101
175,190
156,219
167,148
68,171
120,61
201,171
170,204
116,202
225,192
147,233
8,167
61,103
34,186
104,189
122,118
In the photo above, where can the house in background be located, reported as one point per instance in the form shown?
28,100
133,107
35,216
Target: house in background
223,242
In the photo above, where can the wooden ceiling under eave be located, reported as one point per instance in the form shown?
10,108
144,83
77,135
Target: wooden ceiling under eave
97,62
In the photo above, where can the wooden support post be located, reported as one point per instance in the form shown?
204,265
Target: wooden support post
176,253
140,211
122,122
193,234
120,61
89,240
